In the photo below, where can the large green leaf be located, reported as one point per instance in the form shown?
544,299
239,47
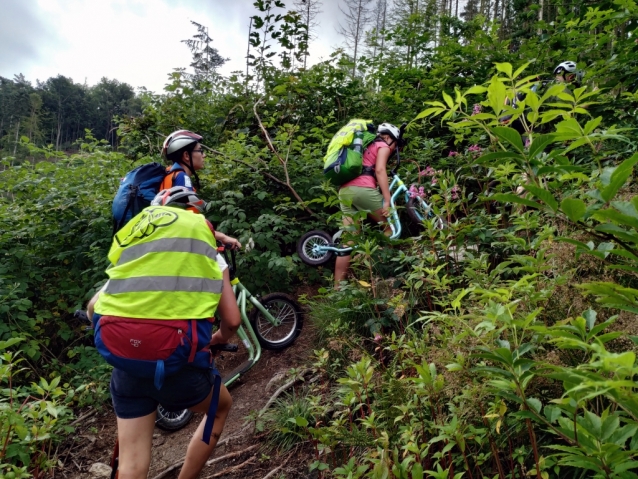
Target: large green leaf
568,129
505,68
429,112
617,231
576,144
619,177
496,94
573,208
448,100
539,144
615,216
543,195
552,413
626,208
476,90
510,136
591,125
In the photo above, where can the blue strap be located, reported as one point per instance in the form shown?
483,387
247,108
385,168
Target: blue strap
159,374
212,409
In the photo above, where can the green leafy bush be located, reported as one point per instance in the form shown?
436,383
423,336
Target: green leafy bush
33,418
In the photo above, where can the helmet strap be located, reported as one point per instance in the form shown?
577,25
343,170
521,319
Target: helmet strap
193,172
191,168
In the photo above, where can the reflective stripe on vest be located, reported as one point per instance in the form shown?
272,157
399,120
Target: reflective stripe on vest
164,267
183,245
164,283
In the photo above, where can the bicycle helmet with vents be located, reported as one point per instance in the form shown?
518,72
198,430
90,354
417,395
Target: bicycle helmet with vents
179,139
389,129
565,67
179,196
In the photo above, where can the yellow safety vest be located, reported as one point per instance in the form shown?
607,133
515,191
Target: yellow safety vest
164,267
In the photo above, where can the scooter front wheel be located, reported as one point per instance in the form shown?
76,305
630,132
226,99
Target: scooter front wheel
418,211
309,248
289,321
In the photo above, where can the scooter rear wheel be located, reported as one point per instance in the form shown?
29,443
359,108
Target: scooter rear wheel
306,248
172,421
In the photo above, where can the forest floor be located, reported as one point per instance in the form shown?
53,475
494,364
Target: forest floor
248,454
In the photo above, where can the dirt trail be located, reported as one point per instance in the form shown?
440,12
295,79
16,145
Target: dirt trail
95,436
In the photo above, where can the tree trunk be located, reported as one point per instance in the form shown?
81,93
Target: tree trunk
250,29
58,138
385,11
356,40
15,147
503,18
305,55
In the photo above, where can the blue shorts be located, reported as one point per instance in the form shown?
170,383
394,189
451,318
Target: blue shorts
136,397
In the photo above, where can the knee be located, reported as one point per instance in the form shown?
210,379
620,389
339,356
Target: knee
225,402
133,470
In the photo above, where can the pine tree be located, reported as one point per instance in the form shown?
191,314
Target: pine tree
206,59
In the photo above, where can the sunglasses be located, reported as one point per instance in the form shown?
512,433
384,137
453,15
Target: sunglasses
199,151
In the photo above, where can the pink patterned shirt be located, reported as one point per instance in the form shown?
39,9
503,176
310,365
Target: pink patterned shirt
369,159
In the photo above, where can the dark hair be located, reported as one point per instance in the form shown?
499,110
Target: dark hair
176,156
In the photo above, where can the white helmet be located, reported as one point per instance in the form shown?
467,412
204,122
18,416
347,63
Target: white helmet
179,195
389,129
178,140
565,67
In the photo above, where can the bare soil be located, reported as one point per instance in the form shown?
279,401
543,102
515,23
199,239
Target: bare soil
95,436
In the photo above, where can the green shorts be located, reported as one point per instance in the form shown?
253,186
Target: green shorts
359,198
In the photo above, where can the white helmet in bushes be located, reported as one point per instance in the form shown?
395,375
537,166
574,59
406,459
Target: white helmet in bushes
389,129
178,140
565,67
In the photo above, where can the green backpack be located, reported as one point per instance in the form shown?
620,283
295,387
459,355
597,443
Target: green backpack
344,159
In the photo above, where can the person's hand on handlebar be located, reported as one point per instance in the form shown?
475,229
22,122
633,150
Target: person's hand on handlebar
227,240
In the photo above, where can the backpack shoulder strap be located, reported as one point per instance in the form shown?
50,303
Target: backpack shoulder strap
169,179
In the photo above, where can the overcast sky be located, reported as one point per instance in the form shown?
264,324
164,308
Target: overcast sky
133,41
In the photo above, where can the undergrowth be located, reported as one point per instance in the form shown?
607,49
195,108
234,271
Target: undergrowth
495,350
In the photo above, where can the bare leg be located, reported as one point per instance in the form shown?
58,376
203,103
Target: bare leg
341,269
135,437
198,451
342,263
380,219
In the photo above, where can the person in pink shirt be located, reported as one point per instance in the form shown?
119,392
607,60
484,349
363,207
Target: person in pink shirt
370,191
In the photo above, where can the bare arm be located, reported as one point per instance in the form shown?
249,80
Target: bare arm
224,238
383,155
229,313
90,307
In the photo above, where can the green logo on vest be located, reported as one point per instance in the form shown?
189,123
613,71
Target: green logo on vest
150,219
